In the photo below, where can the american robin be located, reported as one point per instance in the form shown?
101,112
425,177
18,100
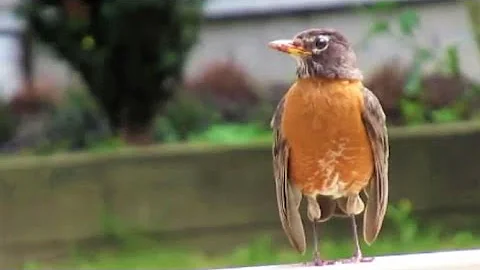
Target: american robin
330,142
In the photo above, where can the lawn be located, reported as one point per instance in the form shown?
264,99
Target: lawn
257,253
141,253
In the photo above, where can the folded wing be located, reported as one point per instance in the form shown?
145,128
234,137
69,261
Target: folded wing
375,123
288,197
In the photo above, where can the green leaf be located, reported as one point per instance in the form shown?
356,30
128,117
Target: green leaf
408,20
453,61
413,86
423,54
445,115
379,7
380,26
383,6
412,111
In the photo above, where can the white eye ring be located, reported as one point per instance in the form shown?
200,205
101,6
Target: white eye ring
321,43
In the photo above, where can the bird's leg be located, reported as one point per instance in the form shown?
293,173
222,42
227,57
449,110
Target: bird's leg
358,251
357,255
314,214
316,254
317,260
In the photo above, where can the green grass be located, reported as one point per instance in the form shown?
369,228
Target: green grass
260,252
138,253
232,134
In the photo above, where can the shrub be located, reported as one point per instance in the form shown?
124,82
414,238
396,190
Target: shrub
183,116
8,122
77,123
388,82
417,93
129,53
227,87
440,96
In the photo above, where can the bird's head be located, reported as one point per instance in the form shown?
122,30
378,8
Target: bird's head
322,53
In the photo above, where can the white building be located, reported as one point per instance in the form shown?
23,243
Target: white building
242,28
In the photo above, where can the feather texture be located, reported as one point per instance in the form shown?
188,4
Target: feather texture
288,196
377,191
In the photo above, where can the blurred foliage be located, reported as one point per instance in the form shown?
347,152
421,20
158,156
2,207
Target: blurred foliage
473,9
136,251
222,104
387,83
226,86
76,123
8,122
184,115
233,134
439,98
130,53
414,94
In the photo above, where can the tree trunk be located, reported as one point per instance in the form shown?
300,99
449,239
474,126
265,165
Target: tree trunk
137,136
136,125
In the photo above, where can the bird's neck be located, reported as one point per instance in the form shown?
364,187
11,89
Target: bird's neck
325,84
307,68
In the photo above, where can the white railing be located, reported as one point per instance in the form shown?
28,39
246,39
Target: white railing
447,260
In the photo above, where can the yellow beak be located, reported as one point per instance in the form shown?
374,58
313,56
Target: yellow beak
288,46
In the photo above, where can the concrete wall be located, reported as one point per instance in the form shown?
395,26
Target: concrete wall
190,192
442,24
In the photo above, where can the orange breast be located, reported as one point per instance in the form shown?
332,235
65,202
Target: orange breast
330,150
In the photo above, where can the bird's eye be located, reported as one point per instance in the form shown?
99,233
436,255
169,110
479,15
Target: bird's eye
321,43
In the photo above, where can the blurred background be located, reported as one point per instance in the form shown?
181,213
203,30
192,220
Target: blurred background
135,134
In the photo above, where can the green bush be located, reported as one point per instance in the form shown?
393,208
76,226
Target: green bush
232,134
415,94
221,104
129,53
8,122
227,87
183,116
77,123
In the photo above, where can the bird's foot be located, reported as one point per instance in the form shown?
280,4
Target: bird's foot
317,261
357,259
320,262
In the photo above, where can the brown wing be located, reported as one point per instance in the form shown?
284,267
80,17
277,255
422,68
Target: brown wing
377,191
288,197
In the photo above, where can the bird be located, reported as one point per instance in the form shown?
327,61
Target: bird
330,143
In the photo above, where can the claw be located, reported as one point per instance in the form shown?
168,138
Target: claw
357,259
357,255
317,261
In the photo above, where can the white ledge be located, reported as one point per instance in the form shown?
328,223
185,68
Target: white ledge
447,260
